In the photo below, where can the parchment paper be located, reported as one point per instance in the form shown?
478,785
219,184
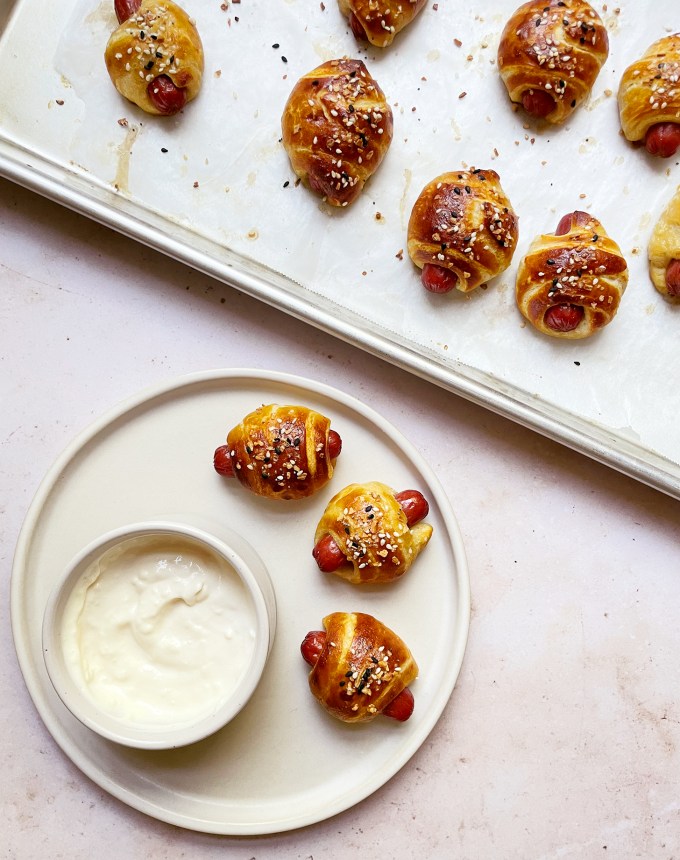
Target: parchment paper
226,176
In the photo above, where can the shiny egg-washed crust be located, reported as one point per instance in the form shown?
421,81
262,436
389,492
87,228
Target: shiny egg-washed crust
583,267
363,666
553,46
369,526
281,452
649,92
337,127
168,44
664,245
382,19
463,221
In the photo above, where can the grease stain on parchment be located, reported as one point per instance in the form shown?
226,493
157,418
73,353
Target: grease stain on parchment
122,180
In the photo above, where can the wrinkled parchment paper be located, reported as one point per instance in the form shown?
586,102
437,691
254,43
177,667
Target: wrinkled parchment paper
220,169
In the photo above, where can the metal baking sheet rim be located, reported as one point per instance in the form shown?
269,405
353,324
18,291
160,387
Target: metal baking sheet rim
28,169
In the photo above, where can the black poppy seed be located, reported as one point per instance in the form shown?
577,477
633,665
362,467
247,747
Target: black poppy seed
163,149
550,262
284,59
149,65
573,102
286,184
275,45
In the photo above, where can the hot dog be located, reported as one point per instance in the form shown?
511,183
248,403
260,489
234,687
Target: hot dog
165,96
400,708
538,103
570,283
663,139
155,56
330,557
437,279
283,452
462,231
564,317
673,278
224,466
126,9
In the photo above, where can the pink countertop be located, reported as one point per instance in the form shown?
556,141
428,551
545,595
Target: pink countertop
561,737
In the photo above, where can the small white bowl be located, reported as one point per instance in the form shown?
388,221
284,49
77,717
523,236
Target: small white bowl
146,623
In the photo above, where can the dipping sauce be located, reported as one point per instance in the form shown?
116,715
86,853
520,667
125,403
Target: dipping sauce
158,630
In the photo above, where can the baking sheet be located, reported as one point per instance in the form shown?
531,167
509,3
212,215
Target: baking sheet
223,198
262,773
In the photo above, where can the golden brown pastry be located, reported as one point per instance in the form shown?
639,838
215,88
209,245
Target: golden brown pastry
462,231
281,452
369,533
360,668
571,281
664,250
550,53
155,57
337,127
649,98
379,21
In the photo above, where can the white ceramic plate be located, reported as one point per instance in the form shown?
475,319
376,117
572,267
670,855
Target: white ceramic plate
231,208
283,763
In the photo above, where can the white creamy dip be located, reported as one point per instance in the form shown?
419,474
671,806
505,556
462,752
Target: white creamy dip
158,630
